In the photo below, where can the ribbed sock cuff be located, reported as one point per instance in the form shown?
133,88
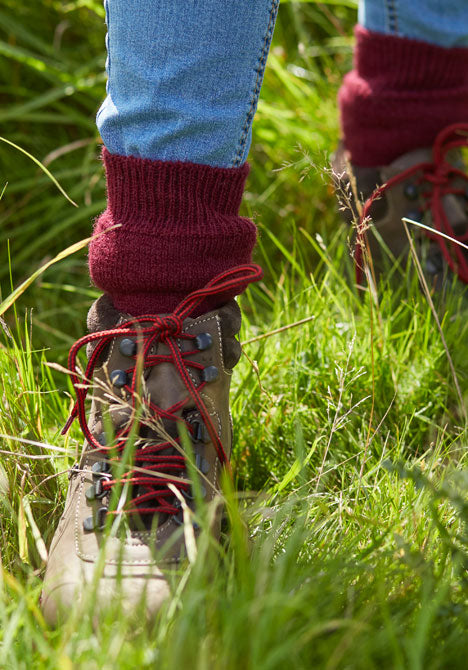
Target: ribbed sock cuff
168,229
399,95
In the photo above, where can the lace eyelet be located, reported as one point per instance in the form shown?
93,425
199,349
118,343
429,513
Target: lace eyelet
119,378
179,521
411,191
96,522
187,493
202,464
100,469
128,347
200,432
203,341
97,490
178,517
73,470
210,374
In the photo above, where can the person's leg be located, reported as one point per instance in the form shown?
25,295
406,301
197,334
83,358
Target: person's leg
410,77
409,84
184,80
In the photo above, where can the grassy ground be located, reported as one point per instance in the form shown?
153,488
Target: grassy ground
350,437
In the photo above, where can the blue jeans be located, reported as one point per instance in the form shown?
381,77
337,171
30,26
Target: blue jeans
184,76
440,22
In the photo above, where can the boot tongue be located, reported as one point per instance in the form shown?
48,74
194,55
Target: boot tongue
149,434
150,437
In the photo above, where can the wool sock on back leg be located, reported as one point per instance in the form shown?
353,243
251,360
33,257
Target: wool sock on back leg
399,95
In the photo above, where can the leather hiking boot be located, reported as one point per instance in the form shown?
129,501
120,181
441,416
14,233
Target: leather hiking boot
149,376
429,186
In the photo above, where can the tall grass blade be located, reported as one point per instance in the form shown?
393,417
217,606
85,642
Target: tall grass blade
43,168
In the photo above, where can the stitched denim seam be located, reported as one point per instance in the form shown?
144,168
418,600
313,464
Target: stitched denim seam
107,12
258,83
392,16
108,55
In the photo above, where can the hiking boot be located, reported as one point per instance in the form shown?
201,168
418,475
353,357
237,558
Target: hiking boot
429,186
184,370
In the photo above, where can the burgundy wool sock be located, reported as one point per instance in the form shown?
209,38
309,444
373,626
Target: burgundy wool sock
178,227
401,93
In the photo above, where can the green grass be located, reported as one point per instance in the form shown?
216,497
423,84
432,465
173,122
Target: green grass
348,545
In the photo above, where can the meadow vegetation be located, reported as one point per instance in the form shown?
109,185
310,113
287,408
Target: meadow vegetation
347,543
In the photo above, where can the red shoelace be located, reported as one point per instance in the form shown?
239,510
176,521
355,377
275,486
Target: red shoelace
437,176
157,496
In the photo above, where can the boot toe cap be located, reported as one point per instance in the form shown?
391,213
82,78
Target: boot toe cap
113,589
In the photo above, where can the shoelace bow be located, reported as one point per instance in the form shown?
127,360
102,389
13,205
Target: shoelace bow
165,329
438,175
